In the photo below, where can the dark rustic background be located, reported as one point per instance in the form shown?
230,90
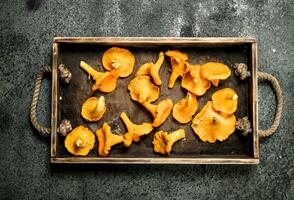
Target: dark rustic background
27,29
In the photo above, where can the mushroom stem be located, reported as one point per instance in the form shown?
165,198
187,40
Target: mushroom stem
126,121
235,96
115,64
96,75
159,61
152,108
174,137
80,143
100,105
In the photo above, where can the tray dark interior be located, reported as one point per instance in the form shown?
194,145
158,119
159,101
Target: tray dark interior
73,95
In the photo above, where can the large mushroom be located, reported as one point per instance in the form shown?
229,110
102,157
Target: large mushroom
211,125
135,131
184,109
93,108
215,71
177,60
163,141
225,100
152,69
119,59
80,141
141,89
104,81
160,112
193,81
107,139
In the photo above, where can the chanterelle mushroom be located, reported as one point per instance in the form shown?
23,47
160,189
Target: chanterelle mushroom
184,109
193,80
163,141
141,89
177,59
215,71
135,131
122,60
104,81
107,139
152,69
225,100
80,141
160,112
211,125
93,108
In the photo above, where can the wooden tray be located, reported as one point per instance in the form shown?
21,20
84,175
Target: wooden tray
67,99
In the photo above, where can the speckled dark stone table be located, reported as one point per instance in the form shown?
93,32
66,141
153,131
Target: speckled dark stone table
27,29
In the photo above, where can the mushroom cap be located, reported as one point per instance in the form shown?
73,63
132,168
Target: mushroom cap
120,59
141,89
215,71
193,81
177,60
135,131
211,125
107,139
83,134
225,100
175,53
163,141
93,108
108,83
160,112
184,109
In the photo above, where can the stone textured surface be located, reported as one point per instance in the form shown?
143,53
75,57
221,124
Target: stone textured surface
27,29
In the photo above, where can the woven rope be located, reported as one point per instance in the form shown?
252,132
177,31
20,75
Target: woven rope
244,124
65,125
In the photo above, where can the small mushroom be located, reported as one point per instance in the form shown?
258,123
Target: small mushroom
225,100
152,69
177,59
122,60
107,139
215,71
141,89
160,112
211,125
79,141
163,141
104,81
193,81
93,108
135,131
184,109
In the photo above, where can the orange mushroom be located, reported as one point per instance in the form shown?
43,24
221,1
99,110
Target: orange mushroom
193,81
104,81
211,125
79,141
177,59
215,71
184,109
135,131
160,112
141,89
225,100
122,60
152,69
93,108
107,139
163,141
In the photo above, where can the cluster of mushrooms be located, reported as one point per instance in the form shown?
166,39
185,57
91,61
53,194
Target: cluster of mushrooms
216,120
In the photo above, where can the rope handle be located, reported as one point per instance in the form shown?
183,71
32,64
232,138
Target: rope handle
244,124
65,125
279,97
